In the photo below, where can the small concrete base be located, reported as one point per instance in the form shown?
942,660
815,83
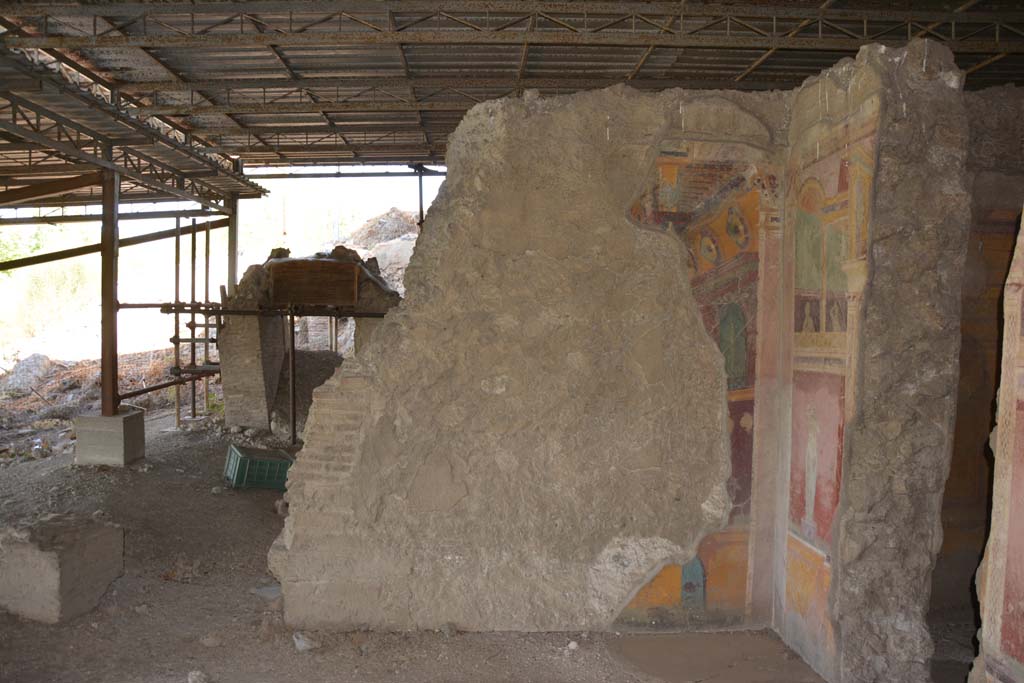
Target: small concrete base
59,567
115,441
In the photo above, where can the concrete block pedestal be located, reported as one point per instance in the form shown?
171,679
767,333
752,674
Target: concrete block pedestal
58,567
116,441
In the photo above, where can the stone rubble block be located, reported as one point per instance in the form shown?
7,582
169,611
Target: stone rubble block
58,567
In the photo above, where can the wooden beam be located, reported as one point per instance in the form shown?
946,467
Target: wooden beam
50,188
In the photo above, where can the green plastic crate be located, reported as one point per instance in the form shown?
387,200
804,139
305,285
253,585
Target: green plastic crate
256,468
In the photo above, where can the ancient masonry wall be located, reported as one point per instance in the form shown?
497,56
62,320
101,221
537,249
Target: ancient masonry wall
1000,579
648,367
541,425
899,444
252,353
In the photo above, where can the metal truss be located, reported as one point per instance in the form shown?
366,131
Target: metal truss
652,24
76,143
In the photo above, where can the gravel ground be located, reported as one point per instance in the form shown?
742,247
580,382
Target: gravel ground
185,604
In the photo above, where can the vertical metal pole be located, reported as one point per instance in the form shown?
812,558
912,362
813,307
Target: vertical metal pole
192,344
419,178
177,318
232,204
206,320
291,376
108,289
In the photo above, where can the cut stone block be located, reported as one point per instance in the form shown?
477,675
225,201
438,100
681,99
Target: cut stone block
116,440
58,567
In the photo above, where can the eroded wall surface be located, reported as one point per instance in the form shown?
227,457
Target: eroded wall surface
542,424
900,438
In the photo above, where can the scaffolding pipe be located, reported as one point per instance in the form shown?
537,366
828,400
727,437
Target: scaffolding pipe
192,346
206,334
177,317
291,378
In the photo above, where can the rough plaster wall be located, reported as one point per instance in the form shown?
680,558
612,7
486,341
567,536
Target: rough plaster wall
542,423
899,444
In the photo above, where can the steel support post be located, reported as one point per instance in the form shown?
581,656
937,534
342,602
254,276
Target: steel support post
291,378
111,182
232,206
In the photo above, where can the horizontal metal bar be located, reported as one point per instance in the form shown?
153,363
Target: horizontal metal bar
301,107
166,385
271,160
479,81
342,174
96,218
43,170
532,37
276,312
164,234
49,188
95,248
195,371
51,256
693,8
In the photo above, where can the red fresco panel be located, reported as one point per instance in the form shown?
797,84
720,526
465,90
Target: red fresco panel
818,445
1013,596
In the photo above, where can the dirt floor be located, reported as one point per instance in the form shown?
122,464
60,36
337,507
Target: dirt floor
185,604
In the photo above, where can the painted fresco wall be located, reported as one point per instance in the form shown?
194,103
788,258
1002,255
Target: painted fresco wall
828,180
718,201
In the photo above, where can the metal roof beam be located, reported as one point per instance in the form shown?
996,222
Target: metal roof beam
747,41
692,8
146,133
49,188
302,108
502,81
71,151
58,219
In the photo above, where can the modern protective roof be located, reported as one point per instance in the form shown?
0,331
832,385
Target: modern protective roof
195,85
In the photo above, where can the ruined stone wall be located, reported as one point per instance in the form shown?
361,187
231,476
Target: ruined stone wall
252,352
900,437
542,424
604,385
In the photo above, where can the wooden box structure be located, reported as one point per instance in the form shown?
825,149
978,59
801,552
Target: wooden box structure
323,282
